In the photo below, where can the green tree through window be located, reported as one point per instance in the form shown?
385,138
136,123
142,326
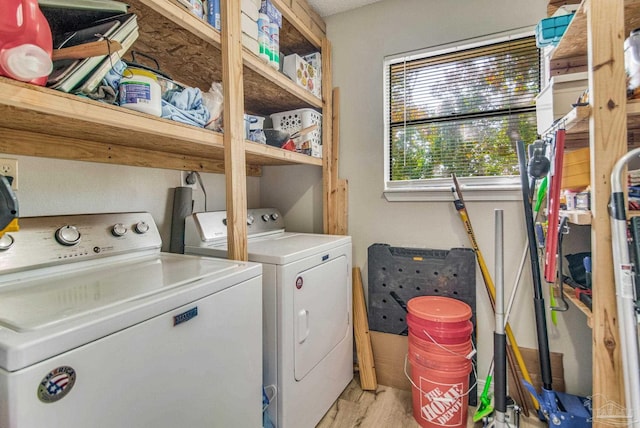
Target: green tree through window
462,111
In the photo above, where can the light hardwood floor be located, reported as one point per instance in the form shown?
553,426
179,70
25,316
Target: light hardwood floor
385,408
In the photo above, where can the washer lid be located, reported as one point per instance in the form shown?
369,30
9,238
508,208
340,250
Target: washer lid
74,306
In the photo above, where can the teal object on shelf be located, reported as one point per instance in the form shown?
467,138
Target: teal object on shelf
549,31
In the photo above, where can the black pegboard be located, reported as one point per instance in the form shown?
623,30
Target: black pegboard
397,274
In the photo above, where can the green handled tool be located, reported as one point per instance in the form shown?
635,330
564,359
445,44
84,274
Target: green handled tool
485,408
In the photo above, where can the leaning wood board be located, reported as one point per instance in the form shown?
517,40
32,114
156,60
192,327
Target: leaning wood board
368,381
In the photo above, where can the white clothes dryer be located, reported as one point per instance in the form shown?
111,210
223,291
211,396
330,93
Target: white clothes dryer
98,328
308,341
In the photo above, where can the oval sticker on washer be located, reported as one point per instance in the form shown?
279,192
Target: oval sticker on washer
56,384
299,282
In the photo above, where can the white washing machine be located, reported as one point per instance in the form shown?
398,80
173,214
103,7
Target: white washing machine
98,328
308,341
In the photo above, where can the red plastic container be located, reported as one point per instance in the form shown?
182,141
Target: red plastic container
439,319
25,42
439,392
425,351
440,332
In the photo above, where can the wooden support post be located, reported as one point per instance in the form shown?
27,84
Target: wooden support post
234,155
341,208
368,381
327,134
608,142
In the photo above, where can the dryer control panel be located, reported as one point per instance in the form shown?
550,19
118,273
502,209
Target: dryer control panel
210,227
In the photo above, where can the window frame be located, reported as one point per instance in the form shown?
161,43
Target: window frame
439,189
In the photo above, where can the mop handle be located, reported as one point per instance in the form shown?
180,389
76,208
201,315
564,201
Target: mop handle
515,350
500,343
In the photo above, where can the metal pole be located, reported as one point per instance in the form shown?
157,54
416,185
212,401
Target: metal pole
625,290
499,338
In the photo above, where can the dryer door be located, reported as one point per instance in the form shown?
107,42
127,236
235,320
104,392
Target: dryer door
321,312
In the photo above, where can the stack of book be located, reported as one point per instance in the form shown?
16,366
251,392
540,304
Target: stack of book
83,75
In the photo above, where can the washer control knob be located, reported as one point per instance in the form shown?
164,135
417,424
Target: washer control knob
118,229
274,216
6,242
265,217
141,227
224,221
250,220
68,235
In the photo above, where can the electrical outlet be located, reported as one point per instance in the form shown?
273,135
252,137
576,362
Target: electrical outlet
183,180
9,168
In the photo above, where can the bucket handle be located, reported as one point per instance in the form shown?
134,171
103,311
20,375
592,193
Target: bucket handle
438,383
468,356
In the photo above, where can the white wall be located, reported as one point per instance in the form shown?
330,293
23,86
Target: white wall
57,187
360,39
297,192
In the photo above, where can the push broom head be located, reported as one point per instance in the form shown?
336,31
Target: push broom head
484,409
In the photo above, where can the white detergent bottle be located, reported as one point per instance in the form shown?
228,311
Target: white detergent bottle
264,40
274,36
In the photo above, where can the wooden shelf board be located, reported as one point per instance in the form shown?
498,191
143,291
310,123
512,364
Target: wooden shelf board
268,91
43,110
576,124
302,28
267,155
577,120
554,5
190,49
292,41
577,217
570,295
26,143
38,110
574,41
191,54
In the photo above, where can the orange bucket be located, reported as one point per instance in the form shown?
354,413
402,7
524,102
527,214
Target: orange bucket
439,319
439,391
424,351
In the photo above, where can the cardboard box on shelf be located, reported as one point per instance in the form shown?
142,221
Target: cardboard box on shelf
249,26
250,43
303,73
576,169
315,60
251,8
556,99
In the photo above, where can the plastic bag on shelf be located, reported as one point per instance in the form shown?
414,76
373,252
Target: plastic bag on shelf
213,99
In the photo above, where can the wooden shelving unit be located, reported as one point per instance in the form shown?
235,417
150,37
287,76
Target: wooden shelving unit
93,131
570,295
576,125
607,126
574,42
577,216
37,121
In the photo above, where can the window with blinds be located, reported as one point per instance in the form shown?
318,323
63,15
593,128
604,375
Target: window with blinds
460,111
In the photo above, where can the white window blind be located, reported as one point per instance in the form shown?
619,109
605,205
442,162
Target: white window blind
460,112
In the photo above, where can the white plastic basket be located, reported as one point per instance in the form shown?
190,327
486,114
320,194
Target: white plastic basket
295,120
